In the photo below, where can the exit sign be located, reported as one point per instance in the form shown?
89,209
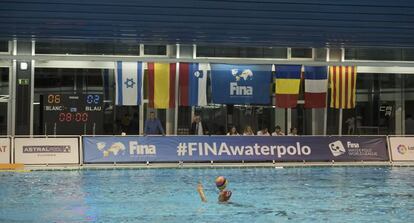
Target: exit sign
23,81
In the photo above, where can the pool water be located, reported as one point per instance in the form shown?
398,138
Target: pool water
339,194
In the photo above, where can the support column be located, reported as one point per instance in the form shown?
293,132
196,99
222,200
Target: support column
24,90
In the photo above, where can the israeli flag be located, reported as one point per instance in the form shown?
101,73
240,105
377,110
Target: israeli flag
128,81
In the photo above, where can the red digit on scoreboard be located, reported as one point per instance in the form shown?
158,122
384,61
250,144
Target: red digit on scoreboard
62,117
78,117
68,117
84,117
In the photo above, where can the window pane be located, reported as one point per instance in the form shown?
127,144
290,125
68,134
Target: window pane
87,48
373,54
408,54
4,46
155,50
301,53
4,81
3,118
184,120
409,103
214,117
241,52
377,98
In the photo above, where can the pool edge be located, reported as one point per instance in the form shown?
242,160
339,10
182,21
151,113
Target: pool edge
214,165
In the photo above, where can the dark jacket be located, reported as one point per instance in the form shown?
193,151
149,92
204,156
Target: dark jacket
193,129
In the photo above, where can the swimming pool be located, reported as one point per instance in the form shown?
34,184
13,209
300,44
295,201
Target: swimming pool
317,194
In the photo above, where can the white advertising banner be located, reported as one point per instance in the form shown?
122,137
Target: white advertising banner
46,150
4,150
402,148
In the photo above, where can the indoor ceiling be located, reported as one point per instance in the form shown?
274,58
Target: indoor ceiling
287,23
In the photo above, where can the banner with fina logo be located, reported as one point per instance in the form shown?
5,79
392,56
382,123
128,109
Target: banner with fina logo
241,84
132,149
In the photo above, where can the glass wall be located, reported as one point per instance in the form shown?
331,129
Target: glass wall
378,105
242,52
385,101
388,54
408,103
381,100
87,48
4,99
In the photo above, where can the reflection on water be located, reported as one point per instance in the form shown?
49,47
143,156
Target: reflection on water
353,194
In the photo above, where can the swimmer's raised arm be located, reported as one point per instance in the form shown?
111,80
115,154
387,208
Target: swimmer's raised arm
201,192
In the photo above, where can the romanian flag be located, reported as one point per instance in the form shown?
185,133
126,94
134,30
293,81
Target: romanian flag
193,84
343,86
161,85
316,86
287,85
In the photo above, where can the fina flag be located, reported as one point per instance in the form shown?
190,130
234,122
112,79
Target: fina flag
241,83
193,84
128,81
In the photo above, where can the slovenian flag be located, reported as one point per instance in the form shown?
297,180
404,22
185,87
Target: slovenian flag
128,81
287,85
161,85
193,84
316,86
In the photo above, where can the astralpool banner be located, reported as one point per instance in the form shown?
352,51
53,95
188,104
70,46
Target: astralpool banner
4,150
46,150
241,84
402,148
101,149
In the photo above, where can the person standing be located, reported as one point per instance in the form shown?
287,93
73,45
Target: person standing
197,127
351,125
153,125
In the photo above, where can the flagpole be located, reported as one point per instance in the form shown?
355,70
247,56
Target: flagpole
340,121
325,115
177,74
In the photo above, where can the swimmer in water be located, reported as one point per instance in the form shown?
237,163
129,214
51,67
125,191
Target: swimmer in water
224,195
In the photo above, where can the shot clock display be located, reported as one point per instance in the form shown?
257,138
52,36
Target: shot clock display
72,113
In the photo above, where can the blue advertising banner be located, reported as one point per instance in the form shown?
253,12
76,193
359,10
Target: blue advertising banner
104,149
241,84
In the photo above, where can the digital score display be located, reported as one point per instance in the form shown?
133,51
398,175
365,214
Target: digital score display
72,113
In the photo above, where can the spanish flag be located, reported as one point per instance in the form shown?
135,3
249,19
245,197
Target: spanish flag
343,86
287,85
161,85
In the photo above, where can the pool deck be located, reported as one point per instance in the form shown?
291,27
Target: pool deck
216,165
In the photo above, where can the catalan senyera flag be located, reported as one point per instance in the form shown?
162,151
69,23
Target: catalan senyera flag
316,86
161,85
193,84
287,85
343,86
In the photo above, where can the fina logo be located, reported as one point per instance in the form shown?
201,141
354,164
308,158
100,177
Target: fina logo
237,90
337,148
119,148
115,148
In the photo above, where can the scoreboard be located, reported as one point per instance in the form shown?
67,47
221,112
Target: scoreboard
72,114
